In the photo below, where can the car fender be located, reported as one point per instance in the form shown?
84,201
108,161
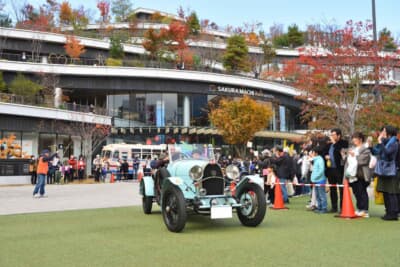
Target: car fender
256,179
148,184
187,190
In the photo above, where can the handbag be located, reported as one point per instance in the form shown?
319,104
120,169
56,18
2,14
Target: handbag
385,168
352,165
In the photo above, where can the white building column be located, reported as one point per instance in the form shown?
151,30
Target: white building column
76,140
186,111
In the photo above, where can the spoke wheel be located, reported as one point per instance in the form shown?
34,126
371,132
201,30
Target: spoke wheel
174,209
253,209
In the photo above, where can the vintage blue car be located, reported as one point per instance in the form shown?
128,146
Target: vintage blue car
193,181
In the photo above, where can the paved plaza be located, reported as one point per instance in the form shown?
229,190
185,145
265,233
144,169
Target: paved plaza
19,200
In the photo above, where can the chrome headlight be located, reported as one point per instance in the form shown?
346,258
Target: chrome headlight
232,172
196,172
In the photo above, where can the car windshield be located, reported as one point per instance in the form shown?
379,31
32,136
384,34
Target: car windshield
190,151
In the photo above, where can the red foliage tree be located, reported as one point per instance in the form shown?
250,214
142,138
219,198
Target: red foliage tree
337,79
178,32
104,8
37,20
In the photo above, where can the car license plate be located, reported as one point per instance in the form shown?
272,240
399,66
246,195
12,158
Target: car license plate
221,212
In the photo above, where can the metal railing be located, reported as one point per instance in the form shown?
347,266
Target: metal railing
101,61
40,102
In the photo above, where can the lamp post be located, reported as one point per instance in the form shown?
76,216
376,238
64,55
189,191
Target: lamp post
375,89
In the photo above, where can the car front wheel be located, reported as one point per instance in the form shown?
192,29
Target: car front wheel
174,209
253,209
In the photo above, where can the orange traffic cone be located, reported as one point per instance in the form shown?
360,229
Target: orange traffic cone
278,201
347,204
140,174
112,180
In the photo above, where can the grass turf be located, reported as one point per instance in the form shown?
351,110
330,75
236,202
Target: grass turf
127,237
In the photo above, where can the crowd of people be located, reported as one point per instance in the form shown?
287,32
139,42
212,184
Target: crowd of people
319,167
58,171
323,163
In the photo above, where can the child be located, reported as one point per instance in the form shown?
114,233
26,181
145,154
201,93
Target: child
318,178
270,182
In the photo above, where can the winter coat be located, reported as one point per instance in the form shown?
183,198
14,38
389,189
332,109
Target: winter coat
363,157
318,172
387,151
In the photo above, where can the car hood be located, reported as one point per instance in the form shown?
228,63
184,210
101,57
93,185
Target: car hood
181,168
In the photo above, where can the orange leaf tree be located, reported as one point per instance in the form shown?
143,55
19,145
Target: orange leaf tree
65,14
238,120
73,48
154,43
336,79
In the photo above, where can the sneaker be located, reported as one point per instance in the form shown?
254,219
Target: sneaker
362,213
311,207
36,196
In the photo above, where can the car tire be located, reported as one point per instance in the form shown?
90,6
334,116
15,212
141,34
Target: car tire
254,207
147,202
173,209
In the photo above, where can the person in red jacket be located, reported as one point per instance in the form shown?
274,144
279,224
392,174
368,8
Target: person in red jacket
42,169
81,167
73,167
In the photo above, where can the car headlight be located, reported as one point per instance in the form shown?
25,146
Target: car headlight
232,172
196,172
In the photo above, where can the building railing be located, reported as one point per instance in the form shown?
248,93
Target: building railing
101,61
39,102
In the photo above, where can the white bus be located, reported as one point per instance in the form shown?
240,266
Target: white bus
114,153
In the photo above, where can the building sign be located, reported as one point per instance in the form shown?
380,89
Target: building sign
239,91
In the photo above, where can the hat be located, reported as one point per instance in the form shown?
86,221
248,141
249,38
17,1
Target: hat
45,151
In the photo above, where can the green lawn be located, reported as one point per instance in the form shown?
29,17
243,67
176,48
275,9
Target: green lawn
127,237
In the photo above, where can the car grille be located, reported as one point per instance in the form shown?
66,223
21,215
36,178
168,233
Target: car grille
213,181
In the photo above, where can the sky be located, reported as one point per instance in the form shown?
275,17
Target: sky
268,12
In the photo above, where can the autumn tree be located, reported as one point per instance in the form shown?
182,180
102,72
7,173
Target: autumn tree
238,120
121,9
335,79
154,43
73,48
235,58
104,8
35,19
65,14
176,37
